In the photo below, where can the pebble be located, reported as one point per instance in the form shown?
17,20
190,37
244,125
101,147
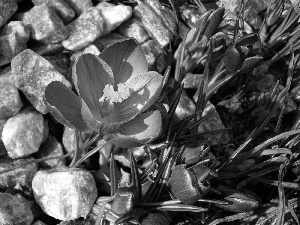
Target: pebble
7,9
14,211
23,133
65,193
79,6
13,40
152,51
45,25
32,73
84,30
61,8
20,177
2,147
186,107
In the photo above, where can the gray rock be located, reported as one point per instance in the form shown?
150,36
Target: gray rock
113,15
65,193
191,80
79,6
45,25
50,148
152,51
23,134
84,30
10,102
38,222
32,74
13,39
7,9
61,8
134,28
102,42
47,49
153,24
60,62
2,147
14,211
21,177
186,107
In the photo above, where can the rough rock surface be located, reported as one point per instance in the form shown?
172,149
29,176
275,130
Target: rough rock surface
79,6
14,211
23,134
32,74
65,193
7,9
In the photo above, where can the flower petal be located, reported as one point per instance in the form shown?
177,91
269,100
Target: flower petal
65,106
126,58
146,90
91,74
138,131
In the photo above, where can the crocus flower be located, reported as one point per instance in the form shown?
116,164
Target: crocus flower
114,91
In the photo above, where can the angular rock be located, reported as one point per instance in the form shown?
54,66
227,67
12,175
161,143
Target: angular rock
102,42
61,8
47,49
23,134
21,177
45,25
113,15
13,39
50,148
65,193
14,211
153,24
2,147
212,123
191,80
7,9
84,30
79,6
32,74
10,102
134,28
152,51
186,107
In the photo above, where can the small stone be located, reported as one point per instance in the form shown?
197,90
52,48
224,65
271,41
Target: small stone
45,25
7,9
65,193
50,148
84,30
134,28
186,107
103,42
32,74
17,177
69,142
212,123
13,39
191,80
14,211
153,24
10,102
2,147
79,6
152,51
23,134
113,15
61,8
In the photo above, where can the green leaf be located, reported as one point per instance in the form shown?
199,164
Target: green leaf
126,58
65,106
91,74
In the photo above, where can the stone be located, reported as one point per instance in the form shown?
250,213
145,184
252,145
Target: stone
192,81
104,41
50,148
23,134
212,123
45,25
134,28
13,39
84,30
7,9
14,211
2,147
153,24
21,176
38,222
186,107
32,73
65,193
10,101
61,8
47,49
152,51
113,15
79,6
